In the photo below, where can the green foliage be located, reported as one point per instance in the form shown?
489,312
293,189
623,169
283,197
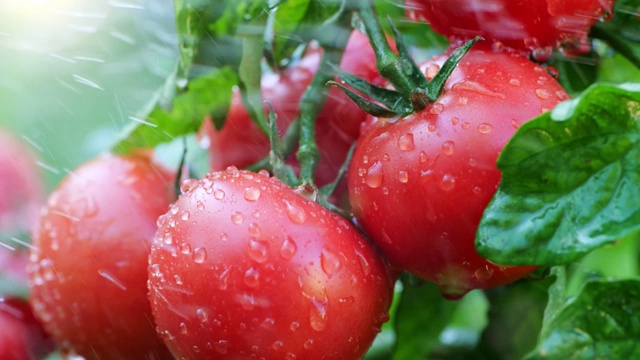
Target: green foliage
568,181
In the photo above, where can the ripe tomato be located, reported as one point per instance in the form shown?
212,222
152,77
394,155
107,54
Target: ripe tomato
21,335
419,185
240,143
243,267
88,269
523,25
21,188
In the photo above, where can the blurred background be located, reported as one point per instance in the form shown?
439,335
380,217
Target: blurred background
72,72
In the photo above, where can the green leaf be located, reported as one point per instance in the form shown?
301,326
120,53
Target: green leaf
577,74
206,96
622,33
601,322
421,316
568,181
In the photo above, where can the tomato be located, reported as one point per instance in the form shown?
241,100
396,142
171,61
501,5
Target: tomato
419,185
21,187
523,25
22,337
242,267
240,143
88,268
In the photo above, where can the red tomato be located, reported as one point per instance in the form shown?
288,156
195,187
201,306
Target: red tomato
419,185
88,269
523,25
21,335
242,267
240,143
21,188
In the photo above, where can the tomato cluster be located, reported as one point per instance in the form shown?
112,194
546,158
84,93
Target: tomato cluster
237,265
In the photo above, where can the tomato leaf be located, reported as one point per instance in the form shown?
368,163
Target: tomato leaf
600,322
568,181
421,316
206,96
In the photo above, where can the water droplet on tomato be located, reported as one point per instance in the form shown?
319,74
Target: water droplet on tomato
330,262
183,329
374,175
403,177
221,347
233,171
255,213
174,209
318,314
201,315
258,250
483,273
188,185
199,255
178,279
200,205
542,54
542,94
405,142
277,345
364,264
162,219
218,194
185,248
252,277
288,248
477,190
155,270
251,194
466,125
386,157
562,95
254,230
365,159
448,147
436,108
167,238
455,121
185,215
448,182
308,344
237,218
514,82
294,326
296,214
485,128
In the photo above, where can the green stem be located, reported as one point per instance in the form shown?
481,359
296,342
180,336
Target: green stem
388,62
333,42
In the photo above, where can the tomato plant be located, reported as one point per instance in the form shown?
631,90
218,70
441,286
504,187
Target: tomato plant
240,143
442,161
524,25
243,267
87,271
22,336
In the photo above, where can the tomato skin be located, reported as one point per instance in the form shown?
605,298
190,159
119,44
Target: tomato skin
240,143
22,337
523,25
21,187
419,185
242,267
88,268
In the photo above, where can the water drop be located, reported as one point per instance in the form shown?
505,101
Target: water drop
202,315
178,279
542,93
258,250
405,142
183,329
185,249
448,148
252,277
455,121
477,190
374,175
277,345
200,205
365,159
288,248
483,273
251,194
484,128
155,270
403,177
386,157
466,125
233,171
162,219
296,214
424,157
167,238
254,230
218,194
318,314
330,262
436,108
174,209
223,279
255,213
188,185
294,326
185,215
514,82
308,344
199,255
542,54
448,182
364,264
221,347
237,218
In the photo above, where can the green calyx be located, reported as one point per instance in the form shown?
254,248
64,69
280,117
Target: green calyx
412,91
